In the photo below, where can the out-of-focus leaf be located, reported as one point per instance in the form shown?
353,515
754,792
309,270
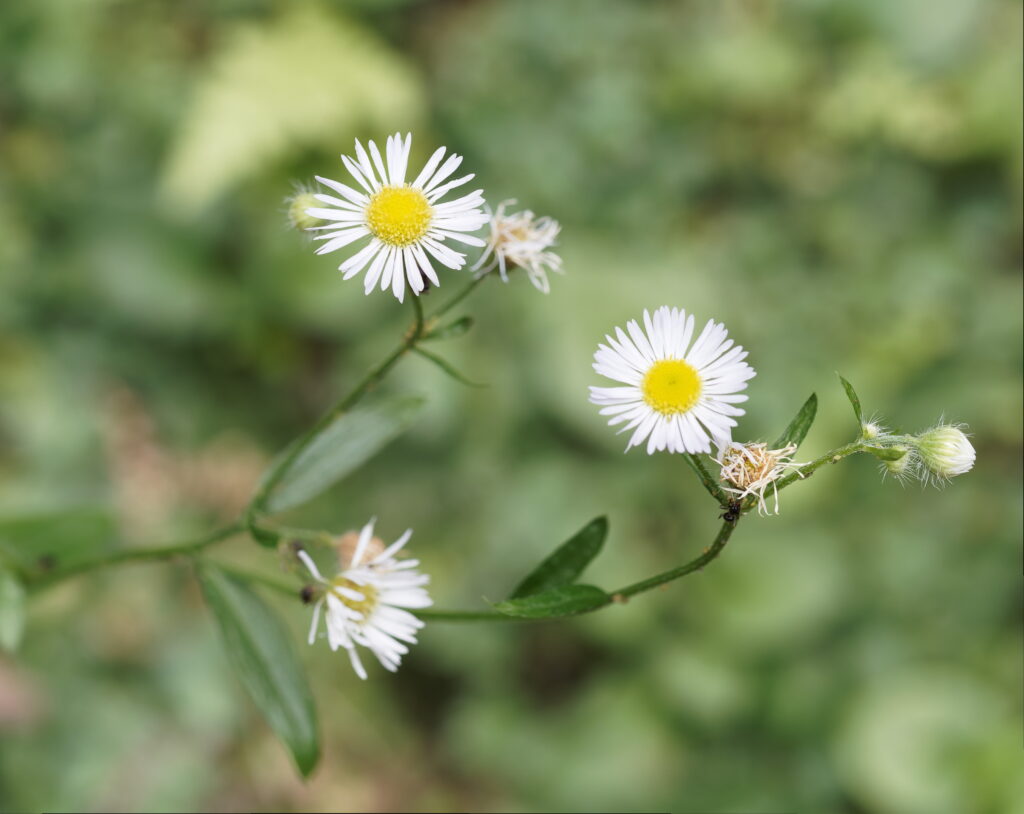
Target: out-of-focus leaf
260,648
345,444
800,425
12,611
452,330
567,600
44,543
851,394
564,565
310,78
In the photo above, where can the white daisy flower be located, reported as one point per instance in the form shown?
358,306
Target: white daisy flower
404,221
521,239
365,601
676,395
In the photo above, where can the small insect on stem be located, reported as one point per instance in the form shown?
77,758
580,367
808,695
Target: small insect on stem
307,593
732,512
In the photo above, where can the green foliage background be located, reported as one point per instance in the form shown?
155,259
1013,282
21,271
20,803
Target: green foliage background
840,182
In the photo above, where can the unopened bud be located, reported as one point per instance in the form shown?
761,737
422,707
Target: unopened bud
946,451
298,204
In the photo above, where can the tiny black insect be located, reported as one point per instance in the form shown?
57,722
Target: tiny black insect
732,512
307,593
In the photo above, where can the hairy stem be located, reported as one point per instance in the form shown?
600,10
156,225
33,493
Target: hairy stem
834,456
710,483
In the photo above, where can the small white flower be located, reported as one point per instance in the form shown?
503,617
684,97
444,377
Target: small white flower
749,469
365,602
404,221
945,451
521,239
676,395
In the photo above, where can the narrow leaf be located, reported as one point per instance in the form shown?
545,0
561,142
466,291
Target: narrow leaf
851,394
261,651
567,600
452,330
564,565
447,368
799,426
12,611
343,446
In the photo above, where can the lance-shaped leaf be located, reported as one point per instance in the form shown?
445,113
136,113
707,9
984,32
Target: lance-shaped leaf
567,600
564,565
800,425
12,611
344,445
851,394
260,648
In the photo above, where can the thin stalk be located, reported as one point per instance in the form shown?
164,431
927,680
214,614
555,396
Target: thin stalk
468,616
712,485
188,548
291,591
706,556
409,342
832,457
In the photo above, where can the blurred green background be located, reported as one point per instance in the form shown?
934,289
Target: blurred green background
839,182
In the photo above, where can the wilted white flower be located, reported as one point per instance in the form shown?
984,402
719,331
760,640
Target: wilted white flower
749,469
404,221
945,452
521,239
365,602
678,396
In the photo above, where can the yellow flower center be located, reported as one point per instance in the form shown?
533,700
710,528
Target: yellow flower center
365,605
399,216
671,386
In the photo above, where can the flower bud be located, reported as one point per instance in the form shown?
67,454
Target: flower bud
945,451
900,461
297,204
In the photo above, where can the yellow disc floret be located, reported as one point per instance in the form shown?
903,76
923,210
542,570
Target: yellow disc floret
399,216
671,386
365,605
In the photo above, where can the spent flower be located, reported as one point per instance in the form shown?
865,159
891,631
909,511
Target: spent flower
749,469
521,239
365,602
405,221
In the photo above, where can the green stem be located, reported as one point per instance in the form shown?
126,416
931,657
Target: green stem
129,555
291,591
459,297
712,485
409,342
706,556
831,457
467,616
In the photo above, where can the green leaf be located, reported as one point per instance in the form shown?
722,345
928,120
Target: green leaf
12,611
344,445
799,426
260,649
452,330
564,565
44,543
851,394
260,73
567,600
447,367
